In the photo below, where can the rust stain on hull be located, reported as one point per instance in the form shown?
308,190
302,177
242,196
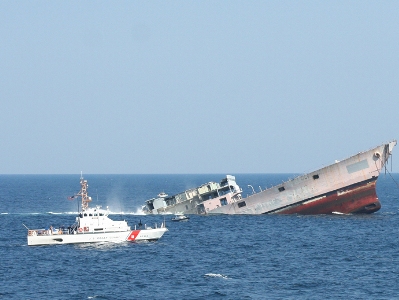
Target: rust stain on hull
361,198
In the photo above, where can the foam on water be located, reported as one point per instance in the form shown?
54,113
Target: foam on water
339,213
216,275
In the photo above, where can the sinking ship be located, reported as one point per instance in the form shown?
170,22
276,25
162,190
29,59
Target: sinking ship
198,200
344,187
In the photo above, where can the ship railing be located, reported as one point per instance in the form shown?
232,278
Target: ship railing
35,232
51,231
73,228
163,225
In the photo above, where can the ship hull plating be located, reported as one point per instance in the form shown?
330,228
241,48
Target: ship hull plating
344,187
81,238
360,198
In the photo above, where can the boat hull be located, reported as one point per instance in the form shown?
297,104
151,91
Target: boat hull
361,198
180,219
80,238
347,186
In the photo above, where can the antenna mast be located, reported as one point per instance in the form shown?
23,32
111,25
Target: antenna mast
83,193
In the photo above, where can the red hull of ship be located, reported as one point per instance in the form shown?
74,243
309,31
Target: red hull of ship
361,198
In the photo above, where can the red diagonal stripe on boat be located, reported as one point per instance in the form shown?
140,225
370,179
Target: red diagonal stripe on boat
133,235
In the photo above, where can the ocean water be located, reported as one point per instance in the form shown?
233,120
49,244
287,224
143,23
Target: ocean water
207,257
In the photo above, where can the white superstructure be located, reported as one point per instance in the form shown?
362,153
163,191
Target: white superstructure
92,226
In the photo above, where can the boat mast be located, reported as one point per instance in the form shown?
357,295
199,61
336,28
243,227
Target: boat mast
83,193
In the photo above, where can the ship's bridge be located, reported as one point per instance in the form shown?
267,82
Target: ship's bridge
96,220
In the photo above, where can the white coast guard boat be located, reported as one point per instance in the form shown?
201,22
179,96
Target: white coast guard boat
93,226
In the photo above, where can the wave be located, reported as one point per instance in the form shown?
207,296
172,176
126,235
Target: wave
340,213
138,212
22,214
102,245
216,275
61,213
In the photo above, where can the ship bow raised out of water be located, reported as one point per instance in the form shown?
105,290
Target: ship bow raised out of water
347,186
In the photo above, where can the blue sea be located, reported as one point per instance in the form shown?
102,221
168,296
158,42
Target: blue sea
207,257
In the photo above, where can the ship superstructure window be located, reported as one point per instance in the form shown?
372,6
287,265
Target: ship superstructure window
241,204
280,189
316,176
223,201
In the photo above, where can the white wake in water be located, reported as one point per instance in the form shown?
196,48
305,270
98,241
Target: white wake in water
138,212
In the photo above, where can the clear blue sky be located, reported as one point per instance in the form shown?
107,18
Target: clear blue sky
195,86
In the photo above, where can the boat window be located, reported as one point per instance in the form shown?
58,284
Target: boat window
241,204
280,189
90,215
95,214
316,176
85,215
223,201
80,215
101,214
